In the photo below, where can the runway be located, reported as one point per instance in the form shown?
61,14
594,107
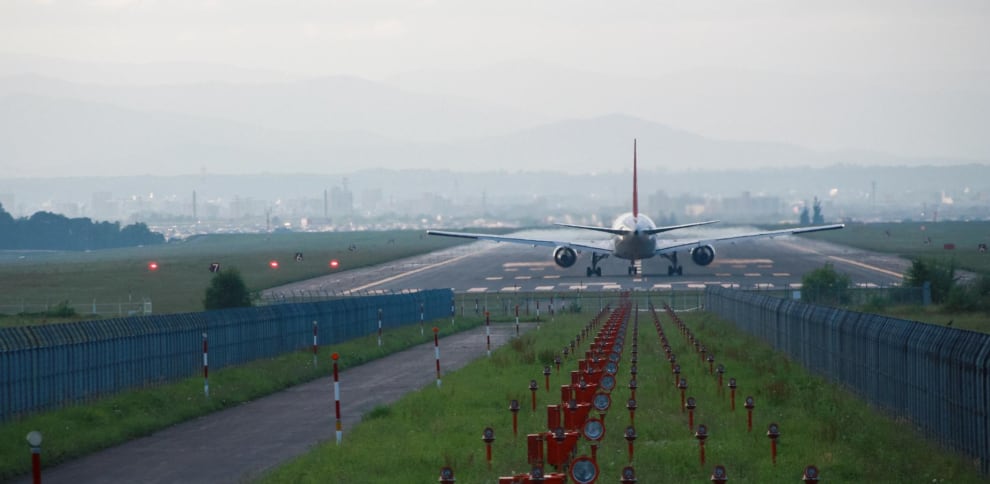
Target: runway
489,267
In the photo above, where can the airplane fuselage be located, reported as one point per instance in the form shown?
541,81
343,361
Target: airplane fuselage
637,243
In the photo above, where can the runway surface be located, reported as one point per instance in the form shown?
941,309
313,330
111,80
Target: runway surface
489,267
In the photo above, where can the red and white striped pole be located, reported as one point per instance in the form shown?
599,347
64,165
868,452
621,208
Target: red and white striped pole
206,368
379,327
488,332
315,345
336,396
436,347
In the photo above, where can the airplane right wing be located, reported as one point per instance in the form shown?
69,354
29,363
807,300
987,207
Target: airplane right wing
671,247
605,247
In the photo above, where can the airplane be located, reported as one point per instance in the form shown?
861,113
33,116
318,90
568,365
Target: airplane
634,237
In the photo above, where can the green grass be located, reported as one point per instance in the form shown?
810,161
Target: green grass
115,275
821,424
81,429
908,240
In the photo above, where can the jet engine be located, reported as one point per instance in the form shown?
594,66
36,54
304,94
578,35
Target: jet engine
703,255
564,256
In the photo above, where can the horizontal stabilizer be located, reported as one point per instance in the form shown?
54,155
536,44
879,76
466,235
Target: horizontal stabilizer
675,227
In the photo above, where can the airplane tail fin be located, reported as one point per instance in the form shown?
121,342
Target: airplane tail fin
635,207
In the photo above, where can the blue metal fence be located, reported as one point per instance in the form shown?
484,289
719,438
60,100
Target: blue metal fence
48,366
936,377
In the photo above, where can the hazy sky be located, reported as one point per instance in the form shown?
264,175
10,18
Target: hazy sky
378,38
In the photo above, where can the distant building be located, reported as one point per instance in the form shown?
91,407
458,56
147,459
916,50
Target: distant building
103,207
341,200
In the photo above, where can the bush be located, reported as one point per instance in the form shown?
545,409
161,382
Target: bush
61,310
825,286
940,274
227,290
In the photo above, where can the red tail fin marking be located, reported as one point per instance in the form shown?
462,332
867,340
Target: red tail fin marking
635,185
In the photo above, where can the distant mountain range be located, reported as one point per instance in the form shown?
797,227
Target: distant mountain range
517,117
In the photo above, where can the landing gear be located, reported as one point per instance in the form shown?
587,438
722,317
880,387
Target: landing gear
632,269
594,270
674,267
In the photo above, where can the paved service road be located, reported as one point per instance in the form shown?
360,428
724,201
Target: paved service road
241,443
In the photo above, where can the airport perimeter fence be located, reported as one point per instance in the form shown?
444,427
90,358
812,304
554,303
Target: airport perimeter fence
936,377
44,367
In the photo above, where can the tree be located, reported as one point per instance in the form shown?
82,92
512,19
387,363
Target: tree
941,275
805,218
825,286
227,290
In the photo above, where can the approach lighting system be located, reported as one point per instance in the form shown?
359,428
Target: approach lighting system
273,264
594,429
152,266
334,264
584,470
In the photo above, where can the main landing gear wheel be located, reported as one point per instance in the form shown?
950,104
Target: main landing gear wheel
674,267
632,270
594,270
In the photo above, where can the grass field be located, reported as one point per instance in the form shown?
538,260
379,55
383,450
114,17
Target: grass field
179,283
821,424
915,239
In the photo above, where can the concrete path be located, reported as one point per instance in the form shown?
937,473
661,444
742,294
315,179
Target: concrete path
240,444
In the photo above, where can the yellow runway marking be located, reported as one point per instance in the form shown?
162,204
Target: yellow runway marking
866,266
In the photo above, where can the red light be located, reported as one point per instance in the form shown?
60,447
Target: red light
273,264
152,266
334,264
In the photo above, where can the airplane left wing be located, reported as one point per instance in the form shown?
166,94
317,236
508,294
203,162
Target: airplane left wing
604,248
663,248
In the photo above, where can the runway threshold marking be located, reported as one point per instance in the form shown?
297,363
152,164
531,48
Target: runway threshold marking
493,278
477,289
544,288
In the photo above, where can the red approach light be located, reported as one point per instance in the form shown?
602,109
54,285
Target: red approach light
334,264
152,266
273,264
